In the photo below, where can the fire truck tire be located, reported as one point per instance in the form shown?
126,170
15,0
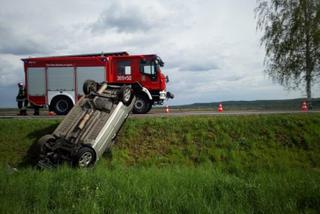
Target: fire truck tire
61,105
142,105
89,86
150,107
126,95
85,157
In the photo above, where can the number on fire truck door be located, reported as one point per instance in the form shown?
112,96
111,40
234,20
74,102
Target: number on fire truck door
124,71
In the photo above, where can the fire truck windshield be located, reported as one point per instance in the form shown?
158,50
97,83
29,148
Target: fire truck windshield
149,68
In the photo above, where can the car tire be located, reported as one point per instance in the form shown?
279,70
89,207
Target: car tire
61,105
126,95
46,138
89,86
142,105
85,157
41,146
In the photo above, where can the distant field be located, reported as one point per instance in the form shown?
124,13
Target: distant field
258,105
228,164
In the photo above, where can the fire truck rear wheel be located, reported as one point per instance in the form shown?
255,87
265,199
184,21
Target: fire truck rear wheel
85,157
142,105
61,105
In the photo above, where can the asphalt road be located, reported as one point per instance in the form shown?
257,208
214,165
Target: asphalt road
157,113
215,113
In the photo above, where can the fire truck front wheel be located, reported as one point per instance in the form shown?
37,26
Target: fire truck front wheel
61,105
142,105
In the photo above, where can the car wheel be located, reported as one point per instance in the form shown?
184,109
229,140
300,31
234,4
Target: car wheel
85,157
142,105
42,148
45,139
61,105
89,86
126,95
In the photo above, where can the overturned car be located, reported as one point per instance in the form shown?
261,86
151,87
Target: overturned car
90,127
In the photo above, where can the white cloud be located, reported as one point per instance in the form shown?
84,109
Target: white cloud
131,16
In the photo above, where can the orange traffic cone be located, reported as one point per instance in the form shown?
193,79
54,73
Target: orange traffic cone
304,106
51,113
220,108
167,109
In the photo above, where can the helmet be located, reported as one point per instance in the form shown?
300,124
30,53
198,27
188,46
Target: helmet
20,84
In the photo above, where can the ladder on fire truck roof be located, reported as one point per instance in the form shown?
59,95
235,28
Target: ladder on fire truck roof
123,53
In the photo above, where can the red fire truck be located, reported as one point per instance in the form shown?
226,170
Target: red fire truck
56,81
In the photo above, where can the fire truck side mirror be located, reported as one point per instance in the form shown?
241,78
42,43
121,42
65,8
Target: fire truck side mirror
167,79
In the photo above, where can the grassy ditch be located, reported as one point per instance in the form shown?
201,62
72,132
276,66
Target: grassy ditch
225,164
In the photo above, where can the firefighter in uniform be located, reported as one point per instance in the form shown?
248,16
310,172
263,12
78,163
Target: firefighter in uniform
22,100
36,110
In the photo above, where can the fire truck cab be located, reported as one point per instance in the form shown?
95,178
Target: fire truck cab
56,81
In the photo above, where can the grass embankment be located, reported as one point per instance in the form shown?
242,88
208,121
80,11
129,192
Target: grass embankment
194,164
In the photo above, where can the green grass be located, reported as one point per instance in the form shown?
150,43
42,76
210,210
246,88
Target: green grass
231,164
160,190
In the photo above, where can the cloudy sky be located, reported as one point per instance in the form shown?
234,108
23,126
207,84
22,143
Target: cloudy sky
210,47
